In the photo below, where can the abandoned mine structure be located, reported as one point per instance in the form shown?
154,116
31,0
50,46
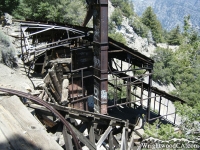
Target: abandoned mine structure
91,82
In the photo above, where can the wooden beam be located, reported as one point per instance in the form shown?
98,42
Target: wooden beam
20,127
111,144
103,137
83,139
124,140
67,139
91,133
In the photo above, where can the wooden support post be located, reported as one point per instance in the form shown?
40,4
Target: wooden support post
160,105
91,133
154,103
124,140
103,137
128,97
130,147
55,93
59,72
167,108
83,139
111,145
49,94
55,81
67,139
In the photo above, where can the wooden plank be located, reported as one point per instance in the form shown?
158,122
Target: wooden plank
83,139
28,124
91,133
131,143
55,81
67,139
12,131
4,143
111,145
124,139
103,137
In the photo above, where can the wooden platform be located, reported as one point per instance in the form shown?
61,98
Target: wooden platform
19,130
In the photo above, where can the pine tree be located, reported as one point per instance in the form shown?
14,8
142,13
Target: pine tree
174,38
117,17
186,26
8,6
72,12
150,20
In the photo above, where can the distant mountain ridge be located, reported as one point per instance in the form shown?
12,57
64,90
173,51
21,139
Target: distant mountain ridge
171,12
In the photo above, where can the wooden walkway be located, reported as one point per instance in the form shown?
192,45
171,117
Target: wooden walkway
19,130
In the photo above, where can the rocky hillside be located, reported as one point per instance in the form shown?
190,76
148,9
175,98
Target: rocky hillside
171,12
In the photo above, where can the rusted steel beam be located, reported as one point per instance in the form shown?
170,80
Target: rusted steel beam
100,44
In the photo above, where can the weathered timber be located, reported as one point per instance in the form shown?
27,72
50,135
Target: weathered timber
55,81
49,94
111,144
59,72
4,141
21,129
60,61
48,122
67,139
83,139
55,93
65,85
41,94
91,133
103,136
45,98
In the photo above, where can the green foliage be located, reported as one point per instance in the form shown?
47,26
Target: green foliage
150,20
181,67
141,29
174,36
162,68
114,93
190,117
116,17
72,12
116,3
8,6
4,39
126,7
118,37
186,26
7,51
160,131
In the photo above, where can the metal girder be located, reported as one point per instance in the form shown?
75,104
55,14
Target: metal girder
34,31
100,44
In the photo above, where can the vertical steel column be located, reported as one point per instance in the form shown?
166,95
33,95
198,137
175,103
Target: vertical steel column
149,95
100,43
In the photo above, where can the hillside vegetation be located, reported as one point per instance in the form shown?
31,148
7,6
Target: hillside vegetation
180,67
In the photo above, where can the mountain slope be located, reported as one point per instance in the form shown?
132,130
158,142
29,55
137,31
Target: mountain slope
171,12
